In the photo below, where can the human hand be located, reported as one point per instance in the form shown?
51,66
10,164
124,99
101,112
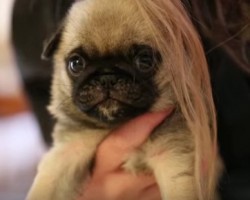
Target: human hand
109,181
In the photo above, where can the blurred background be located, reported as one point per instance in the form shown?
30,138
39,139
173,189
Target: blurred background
21,144
224,27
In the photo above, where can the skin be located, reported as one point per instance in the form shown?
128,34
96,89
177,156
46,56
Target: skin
109,181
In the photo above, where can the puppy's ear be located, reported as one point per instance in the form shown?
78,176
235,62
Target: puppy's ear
51,45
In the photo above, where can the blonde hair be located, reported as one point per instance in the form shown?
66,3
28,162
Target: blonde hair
184,58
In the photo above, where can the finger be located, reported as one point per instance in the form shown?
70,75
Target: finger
119,185
121,142
151,192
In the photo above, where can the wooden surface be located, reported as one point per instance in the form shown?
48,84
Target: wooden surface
10,105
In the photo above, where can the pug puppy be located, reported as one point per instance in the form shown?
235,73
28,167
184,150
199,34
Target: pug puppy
115,60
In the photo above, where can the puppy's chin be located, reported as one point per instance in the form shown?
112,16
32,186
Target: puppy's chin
113,111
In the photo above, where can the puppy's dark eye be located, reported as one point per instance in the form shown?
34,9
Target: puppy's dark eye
144,58
144,61
76,64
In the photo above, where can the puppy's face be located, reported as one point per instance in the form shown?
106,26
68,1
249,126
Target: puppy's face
113,87
107,68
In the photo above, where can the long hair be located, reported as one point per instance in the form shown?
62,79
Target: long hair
184,58
227,24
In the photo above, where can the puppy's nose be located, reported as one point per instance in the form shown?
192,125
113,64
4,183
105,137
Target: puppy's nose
108,80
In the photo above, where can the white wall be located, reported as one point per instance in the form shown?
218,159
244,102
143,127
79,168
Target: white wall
9,77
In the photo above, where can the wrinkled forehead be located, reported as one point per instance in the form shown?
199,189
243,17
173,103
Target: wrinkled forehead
104,26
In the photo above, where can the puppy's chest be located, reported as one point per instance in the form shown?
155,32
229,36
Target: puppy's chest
164,144
170,139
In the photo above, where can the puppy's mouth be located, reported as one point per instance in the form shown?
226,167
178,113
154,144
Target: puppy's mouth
113,98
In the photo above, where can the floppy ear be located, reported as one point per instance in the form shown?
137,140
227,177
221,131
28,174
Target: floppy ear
51,45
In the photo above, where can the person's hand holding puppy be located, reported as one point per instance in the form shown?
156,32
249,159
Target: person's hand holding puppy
109,181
